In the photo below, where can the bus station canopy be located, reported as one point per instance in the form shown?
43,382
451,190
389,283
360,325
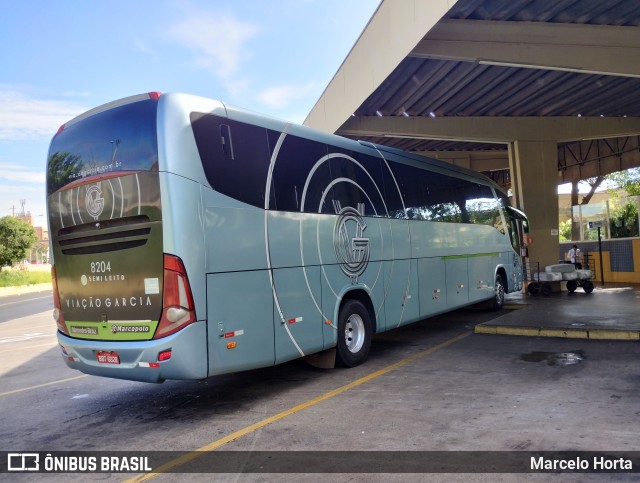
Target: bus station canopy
461,80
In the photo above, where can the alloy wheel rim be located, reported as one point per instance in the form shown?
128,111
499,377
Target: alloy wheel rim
354,333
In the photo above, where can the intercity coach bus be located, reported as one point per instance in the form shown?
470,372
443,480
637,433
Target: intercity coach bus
191,239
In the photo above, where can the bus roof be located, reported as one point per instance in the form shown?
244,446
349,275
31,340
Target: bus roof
109,105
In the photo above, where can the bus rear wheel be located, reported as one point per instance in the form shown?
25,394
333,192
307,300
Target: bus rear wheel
354,334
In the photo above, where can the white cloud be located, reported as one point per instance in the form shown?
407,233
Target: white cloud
218,40
26,118
21,173
280,97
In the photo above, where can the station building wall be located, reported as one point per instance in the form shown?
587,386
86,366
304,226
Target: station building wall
620,258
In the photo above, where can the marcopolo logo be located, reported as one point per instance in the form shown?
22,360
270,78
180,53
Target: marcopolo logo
130,328
94,200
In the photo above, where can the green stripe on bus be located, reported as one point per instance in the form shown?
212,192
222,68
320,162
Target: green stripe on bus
116,330
474,255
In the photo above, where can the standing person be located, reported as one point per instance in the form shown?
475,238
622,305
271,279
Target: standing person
574,255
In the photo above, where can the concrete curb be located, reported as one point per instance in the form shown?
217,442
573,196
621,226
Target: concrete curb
23,289
598,334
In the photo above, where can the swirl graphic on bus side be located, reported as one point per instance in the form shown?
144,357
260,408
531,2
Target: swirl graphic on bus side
352,252
368,261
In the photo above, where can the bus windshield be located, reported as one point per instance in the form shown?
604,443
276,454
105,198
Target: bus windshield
118,139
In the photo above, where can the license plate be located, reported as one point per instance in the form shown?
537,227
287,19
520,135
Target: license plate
108,357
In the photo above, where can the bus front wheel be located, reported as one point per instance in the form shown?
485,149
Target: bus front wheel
498,300
354,334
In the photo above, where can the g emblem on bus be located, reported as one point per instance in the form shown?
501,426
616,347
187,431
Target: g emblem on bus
351,248
94,200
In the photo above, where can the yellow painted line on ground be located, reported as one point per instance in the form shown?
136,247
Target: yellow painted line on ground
50,344
15,391
312,402
514,306
26,300
24,329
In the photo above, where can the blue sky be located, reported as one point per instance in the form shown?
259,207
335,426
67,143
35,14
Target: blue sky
60,58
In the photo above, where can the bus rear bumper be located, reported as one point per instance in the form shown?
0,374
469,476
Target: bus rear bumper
138,360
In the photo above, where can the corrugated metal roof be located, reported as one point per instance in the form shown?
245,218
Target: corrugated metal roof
593,12
435,87
419,87
417,145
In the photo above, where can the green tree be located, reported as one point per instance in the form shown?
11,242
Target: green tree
565,230
16,239
624,221
628,180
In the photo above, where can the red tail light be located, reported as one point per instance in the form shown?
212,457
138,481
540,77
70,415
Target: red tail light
164,355
178,310
57,311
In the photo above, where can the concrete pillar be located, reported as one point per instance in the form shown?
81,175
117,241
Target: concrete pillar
534,171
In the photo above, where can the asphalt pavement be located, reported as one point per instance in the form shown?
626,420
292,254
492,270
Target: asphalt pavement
18,305
437,385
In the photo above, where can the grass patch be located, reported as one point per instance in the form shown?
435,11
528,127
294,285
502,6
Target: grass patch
13,278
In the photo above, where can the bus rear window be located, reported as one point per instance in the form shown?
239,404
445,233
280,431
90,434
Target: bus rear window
122,138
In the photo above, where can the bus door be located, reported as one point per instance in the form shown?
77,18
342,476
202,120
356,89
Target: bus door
518,227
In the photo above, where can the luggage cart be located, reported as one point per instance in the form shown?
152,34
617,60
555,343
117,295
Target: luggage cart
543,281
583,280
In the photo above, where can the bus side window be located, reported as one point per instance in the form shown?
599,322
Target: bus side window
292,171
227,142
357,181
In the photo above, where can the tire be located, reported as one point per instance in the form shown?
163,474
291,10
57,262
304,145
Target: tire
354,334
587,286
546,289
534,288
572,285
498,299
